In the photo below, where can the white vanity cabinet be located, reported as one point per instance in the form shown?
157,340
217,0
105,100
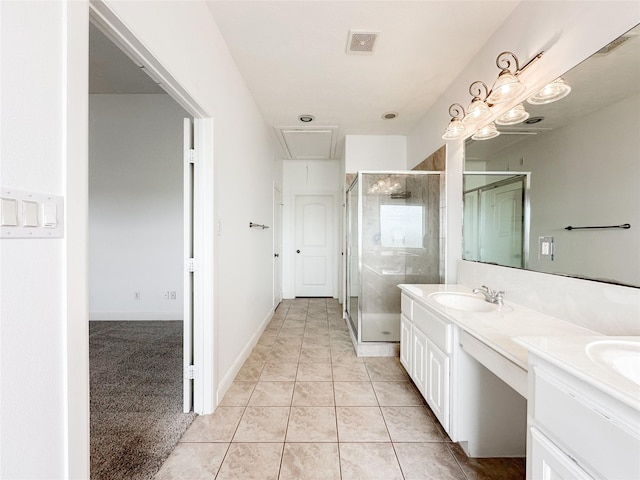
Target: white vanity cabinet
576,431
425,352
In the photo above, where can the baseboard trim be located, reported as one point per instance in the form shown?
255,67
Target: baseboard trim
134,316
228,378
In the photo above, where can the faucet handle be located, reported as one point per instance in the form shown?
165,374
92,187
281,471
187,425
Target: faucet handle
498,296
489,291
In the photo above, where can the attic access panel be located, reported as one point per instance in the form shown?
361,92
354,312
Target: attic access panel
310,143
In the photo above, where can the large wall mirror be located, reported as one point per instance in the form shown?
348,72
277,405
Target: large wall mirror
560,192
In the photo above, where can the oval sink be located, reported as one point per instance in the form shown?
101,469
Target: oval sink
621,356
463,301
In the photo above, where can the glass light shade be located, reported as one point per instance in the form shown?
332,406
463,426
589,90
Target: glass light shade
486,132
455,130
551,92
477,113
516,115
506,87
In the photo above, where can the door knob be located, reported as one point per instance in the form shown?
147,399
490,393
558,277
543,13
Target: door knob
297,251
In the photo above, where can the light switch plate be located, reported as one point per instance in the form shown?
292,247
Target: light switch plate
28,214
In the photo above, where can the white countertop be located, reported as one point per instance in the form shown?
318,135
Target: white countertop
570,354
497,328
513,330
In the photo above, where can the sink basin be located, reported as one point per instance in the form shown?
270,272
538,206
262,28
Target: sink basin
621,356
463,301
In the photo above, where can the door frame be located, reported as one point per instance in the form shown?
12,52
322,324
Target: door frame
277,243
204,326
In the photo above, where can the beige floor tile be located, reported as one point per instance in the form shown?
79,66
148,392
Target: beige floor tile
355,394
251,461
410,424
312,424
361,424
311,354
291,332
313,394
288,341
262,424
284,353
238,394
489,468
386,372
250,371
314,372
217,427
279,372
369,461
427,461
272,394
259,354
195,461
310,461
350,372
267,339
396,394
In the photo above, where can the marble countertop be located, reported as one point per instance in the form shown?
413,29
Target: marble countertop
497,328
571,354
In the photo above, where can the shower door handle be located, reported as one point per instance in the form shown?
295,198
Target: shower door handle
297,251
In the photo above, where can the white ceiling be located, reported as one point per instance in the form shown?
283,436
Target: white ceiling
292,55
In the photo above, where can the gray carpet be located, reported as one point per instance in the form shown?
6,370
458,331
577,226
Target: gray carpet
136,397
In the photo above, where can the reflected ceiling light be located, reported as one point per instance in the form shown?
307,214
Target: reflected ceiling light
456,129
486,132
551,92
516,115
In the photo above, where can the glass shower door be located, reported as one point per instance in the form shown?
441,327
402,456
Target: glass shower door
353,268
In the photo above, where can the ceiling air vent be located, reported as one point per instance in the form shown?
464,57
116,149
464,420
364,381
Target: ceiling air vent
361,43
613,45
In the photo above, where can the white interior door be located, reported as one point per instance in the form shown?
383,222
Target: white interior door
188,192
277,246
314,246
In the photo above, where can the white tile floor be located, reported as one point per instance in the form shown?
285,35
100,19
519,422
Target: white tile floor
303,406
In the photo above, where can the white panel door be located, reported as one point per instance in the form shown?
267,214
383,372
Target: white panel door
419,370
188,184
437,384
314,246
405,343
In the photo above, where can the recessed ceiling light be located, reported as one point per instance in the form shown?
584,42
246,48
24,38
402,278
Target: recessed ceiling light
306,118
389,115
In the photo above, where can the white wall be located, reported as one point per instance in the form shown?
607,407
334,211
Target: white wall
32,273
312,177
135,207
375,152
568,32
44,428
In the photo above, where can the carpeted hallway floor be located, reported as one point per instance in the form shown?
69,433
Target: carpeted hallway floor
136,397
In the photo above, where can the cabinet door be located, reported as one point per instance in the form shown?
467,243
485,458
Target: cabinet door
548,462
419,359
405,343
437,386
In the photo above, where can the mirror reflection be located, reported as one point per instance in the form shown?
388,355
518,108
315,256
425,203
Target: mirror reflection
575,163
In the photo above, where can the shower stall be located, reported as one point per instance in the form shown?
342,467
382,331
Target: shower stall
394,235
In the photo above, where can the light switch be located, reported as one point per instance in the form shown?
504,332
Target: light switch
29,214
9,212
49,215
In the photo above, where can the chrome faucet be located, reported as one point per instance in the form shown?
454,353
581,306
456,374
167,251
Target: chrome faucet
490,295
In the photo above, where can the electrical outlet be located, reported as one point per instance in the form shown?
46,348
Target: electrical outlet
172,295
166,295
545,248
136,295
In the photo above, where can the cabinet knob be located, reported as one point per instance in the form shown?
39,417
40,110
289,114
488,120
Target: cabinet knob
297,251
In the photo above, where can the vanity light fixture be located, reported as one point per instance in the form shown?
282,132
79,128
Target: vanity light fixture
478,111
486,132
516,115
456,129
506,87
551,92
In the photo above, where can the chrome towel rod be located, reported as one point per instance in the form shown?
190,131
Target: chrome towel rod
625,226
256,225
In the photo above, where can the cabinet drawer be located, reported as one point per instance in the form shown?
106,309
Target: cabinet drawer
573,422
548,461
406,306
438,331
